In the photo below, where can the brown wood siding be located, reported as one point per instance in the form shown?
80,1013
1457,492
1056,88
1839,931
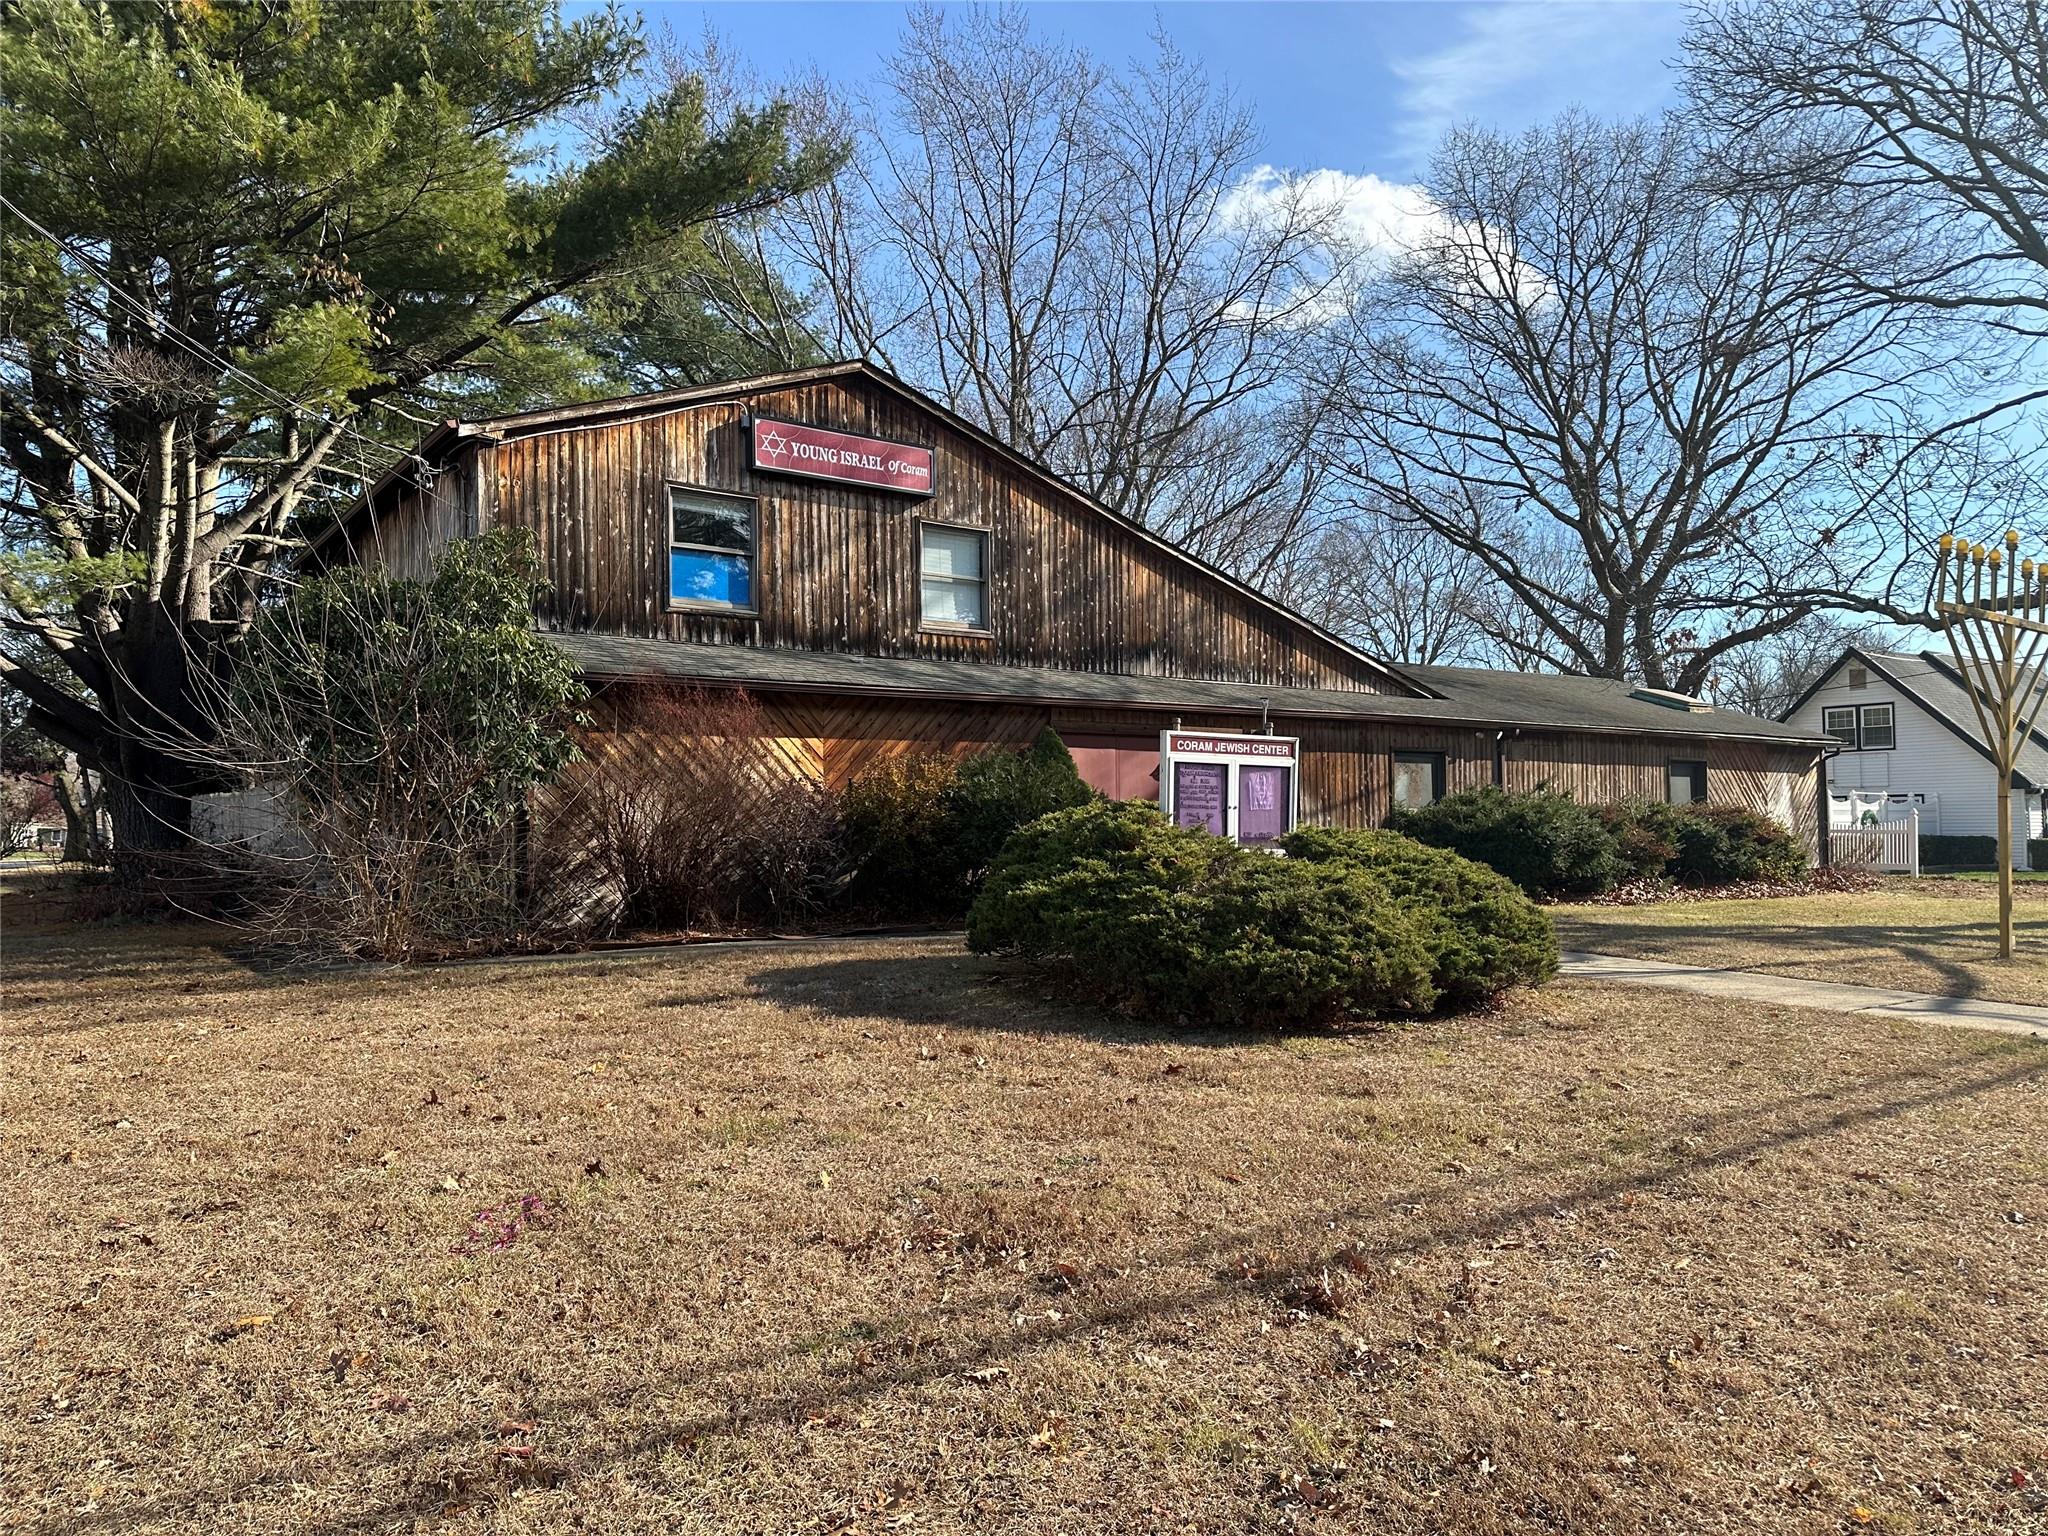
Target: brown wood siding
1346,766
837,565
1775,781
447,504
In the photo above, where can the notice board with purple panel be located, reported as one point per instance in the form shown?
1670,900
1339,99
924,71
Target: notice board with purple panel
1201,796
1264,801
1242,787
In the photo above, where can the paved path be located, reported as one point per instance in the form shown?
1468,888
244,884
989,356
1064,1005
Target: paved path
1796,992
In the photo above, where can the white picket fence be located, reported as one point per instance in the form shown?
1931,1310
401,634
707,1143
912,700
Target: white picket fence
1890,847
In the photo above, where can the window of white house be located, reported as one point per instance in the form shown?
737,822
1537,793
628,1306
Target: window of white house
1686,781
1840,723
1874,728
953,576
1418,779
710,550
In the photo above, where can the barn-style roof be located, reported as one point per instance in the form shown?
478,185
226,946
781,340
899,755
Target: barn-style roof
453,436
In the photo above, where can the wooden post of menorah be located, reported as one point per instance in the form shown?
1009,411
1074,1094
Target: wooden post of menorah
1992,606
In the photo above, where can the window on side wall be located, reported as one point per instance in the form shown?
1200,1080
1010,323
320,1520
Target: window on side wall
1418,779
1686,781
1874,728
953,576
1840,723
711,546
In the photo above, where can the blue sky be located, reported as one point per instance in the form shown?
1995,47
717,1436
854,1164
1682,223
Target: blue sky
1360,88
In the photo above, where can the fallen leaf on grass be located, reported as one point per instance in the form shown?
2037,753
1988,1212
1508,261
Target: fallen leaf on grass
987,1373
1051,1436
240,1326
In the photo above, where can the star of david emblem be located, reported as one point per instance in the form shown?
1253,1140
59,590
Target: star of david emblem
773,444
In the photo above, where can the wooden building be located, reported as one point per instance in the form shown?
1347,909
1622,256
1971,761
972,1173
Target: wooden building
883,577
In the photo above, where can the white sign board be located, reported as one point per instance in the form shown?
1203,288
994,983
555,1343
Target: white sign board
1246,788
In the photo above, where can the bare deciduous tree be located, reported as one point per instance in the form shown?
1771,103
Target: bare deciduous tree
1087,265
1400,592
1594,352
1935,110
1768,677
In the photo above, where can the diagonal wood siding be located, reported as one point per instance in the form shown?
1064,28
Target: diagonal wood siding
1346,768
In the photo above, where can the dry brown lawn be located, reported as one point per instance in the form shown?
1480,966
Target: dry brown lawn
1923,935
863,1237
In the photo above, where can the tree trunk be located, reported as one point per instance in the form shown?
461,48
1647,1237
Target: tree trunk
150,820
155,762
81,821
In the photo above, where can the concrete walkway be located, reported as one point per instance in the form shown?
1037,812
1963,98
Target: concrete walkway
1796,992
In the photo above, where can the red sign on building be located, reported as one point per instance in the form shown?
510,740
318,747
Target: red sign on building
818,453
1280,747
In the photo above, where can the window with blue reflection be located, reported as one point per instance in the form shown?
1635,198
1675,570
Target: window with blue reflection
711,550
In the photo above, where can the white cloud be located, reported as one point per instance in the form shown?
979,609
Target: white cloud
1370,223
1520,62
1367,213
1365,222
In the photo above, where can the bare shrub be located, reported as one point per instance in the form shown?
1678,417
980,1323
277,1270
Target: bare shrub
387,734
684,812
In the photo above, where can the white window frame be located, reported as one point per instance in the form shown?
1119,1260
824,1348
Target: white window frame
1863,712
948,626
1854,740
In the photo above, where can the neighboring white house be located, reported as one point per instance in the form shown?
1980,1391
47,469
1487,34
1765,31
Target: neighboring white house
1910,739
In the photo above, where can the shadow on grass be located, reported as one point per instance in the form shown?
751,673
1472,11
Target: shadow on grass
1764,947
1486,1207
929,990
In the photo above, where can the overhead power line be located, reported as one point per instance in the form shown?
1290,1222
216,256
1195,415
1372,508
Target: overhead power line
369,460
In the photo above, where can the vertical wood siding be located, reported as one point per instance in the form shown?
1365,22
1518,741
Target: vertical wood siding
837,566
424,516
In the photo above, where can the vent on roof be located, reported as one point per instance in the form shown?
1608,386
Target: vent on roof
1859,677
1667,698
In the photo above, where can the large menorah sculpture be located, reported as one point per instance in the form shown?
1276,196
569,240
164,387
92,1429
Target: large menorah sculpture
1992,608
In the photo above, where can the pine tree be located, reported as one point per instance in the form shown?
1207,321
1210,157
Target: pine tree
247,249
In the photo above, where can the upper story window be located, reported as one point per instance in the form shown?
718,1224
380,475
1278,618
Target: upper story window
1861,727
1418,779
711,547
953,576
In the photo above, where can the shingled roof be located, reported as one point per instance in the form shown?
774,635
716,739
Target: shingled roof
1473,698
